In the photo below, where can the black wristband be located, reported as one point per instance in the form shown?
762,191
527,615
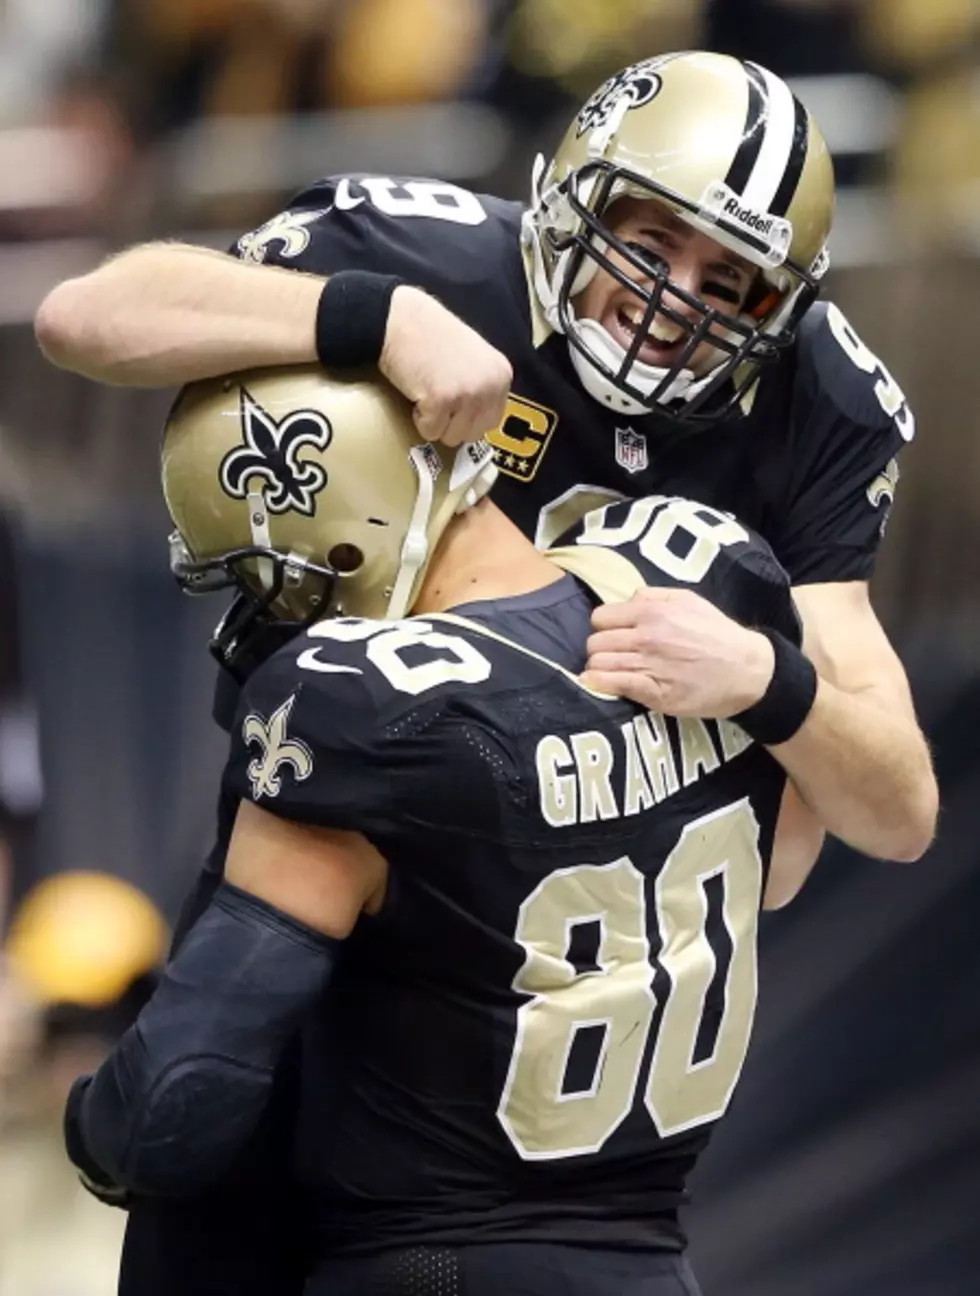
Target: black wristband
352,317
788,700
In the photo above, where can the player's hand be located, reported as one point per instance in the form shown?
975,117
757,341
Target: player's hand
674,652
457,382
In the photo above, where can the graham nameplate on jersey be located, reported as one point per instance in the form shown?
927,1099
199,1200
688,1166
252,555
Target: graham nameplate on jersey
584,779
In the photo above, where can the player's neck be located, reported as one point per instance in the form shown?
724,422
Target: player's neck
482,555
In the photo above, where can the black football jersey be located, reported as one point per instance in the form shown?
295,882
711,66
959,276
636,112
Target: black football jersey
811,466
536,1034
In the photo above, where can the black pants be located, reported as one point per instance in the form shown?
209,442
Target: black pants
219,1246
507,1269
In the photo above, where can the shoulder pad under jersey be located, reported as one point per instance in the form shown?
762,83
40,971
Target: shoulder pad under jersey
433,234
328,729
303,739
836,368
672,542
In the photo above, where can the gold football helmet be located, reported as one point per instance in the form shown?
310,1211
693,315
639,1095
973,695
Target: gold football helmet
730,150
311,494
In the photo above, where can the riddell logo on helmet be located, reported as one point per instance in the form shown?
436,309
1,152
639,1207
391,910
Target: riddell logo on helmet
748,217
772,234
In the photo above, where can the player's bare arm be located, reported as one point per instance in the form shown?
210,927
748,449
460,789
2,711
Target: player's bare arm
796,848
859,759
324,877
164,314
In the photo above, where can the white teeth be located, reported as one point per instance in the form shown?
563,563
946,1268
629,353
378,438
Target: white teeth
660,331
633,314
664,332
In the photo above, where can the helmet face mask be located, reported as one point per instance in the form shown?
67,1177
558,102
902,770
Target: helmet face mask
250,629
727,150
741,339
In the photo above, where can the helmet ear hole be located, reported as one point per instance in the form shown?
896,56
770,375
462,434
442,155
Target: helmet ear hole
345,559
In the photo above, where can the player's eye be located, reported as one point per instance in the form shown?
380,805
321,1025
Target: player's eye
650,258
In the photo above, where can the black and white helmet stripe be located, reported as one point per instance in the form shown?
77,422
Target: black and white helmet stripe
797,157
744,161
767,167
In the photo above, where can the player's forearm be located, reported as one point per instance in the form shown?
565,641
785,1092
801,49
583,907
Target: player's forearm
179,1098
164,314
796,848
864,769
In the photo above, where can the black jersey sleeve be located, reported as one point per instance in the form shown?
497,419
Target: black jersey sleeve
850,420
305,741
435,235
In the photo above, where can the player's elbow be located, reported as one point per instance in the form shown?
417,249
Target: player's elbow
96,324
182,1134
54,323
911,851
69,330
197,1122
922,815
911,833
917,835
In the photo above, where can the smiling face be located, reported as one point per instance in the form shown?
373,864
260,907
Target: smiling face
695,263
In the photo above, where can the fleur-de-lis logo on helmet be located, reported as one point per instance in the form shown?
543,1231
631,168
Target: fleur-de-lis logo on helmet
270,453
639,84
290,229
275,750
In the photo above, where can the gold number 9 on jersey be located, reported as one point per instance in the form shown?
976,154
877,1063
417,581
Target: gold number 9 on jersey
540,1117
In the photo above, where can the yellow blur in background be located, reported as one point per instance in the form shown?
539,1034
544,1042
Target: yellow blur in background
82,937
72,976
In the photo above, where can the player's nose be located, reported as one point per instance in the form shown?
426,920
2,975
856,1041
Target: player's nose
685,275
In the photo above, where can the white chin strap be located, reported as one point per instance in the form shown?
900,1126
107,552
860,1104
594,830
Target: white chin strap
644,377
258,524
474,470
415,549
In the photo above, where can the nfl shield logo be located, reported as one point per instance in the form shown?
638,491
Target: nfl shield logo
631,450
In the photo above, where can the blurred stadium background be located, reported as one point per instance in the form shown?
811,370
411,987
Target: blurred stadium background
850,1163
